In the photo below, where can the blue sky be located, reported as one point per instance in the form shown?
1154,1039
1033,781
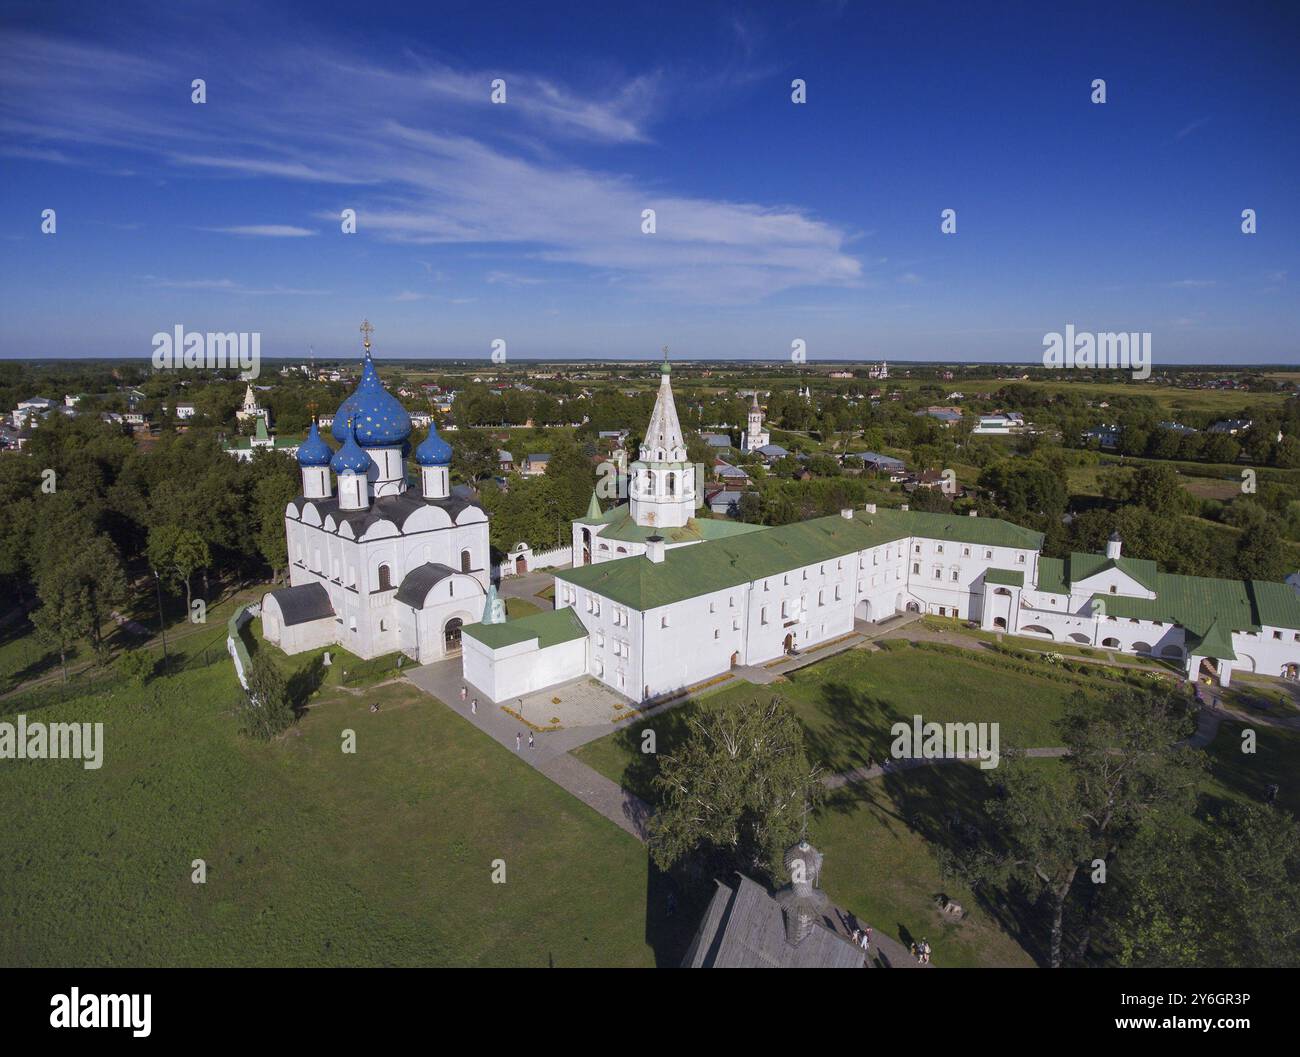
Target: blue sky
775,221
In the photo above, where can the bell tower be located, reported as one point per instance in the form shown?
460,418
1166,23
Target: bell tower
662,492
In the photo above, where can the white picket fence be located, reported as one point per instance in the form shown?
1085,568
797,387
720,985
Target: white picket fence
535,560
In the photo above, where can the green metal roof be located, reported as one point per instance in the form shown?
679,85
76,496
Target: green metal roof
1010,577
984,531
1216,643
1081,566
622,529
717,564
549,629
1277,605
1198,602
1051,576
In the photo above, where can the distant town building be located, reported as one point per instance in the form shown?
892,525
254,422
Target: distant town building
250,409
755,435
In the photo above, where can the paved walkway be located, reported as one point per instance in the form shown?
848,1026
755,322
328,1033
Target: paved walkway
550,750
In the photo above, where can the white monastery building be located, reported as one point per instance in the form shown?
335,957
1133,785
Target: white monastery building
657,601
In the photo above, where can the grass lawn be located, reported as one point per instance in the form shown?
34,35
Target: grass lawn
848,703
1243,776
517,607
881,844
314,857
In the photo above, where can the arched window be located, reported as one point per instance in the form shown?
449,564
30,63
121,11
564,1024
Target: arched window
465,561
385,578
672,484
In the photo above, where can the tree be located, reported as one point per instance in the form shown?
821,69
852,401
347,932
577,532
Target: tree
473,453
1125,760
271,495
1258,554
1026,487
264,709
176,554
137,665
737,791
1224,894
78,583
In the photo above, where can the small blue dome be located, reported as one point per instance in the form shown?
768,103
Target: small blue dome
314,451
380,419
350,458
433,450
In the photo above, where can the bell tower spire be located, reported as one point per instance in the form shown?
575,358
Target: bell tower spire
663,486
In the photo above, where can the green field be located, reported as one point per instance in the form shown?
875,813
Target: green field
314,857
848,703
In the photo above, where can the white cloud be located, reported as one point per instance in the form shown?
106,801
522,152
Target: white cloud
427,159
275,231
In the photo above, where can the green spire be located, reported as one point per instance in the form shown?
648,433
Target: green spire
494,612
665,369
593,508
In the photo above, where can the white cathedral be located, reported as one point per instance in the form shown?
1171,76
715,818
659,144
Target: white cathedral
658,601
377,565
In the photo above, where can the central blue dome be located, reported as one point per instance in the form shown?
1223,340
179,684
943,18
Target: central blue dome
350,458
380,419
433,450
314,451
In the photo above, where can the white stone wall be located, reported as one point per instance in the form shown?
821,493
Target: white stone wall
369,623
950,576
1267,652
293,638
614,637
521,668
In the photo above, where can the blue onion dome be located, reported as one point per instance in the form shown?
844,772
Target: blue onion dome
350,458
433,450
314,451
380,419
342,416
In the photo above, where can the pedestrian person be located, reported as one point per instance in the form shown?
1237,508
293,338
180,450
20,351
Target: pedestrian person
517,737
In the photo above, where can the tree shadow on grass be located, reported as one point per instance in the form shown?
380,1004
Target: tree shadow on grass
675,903
304,683
854,731
670,729
42,664
944,805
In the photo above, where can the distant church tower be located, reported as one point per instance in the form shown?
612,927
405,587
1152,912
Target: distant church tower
663,485
754,437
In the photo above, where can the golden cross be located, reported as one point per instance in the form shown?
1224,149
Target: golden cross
367,330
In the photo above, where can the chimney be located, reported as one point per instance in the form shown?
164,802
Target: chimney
654,549
1114,546
847,513
870,508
